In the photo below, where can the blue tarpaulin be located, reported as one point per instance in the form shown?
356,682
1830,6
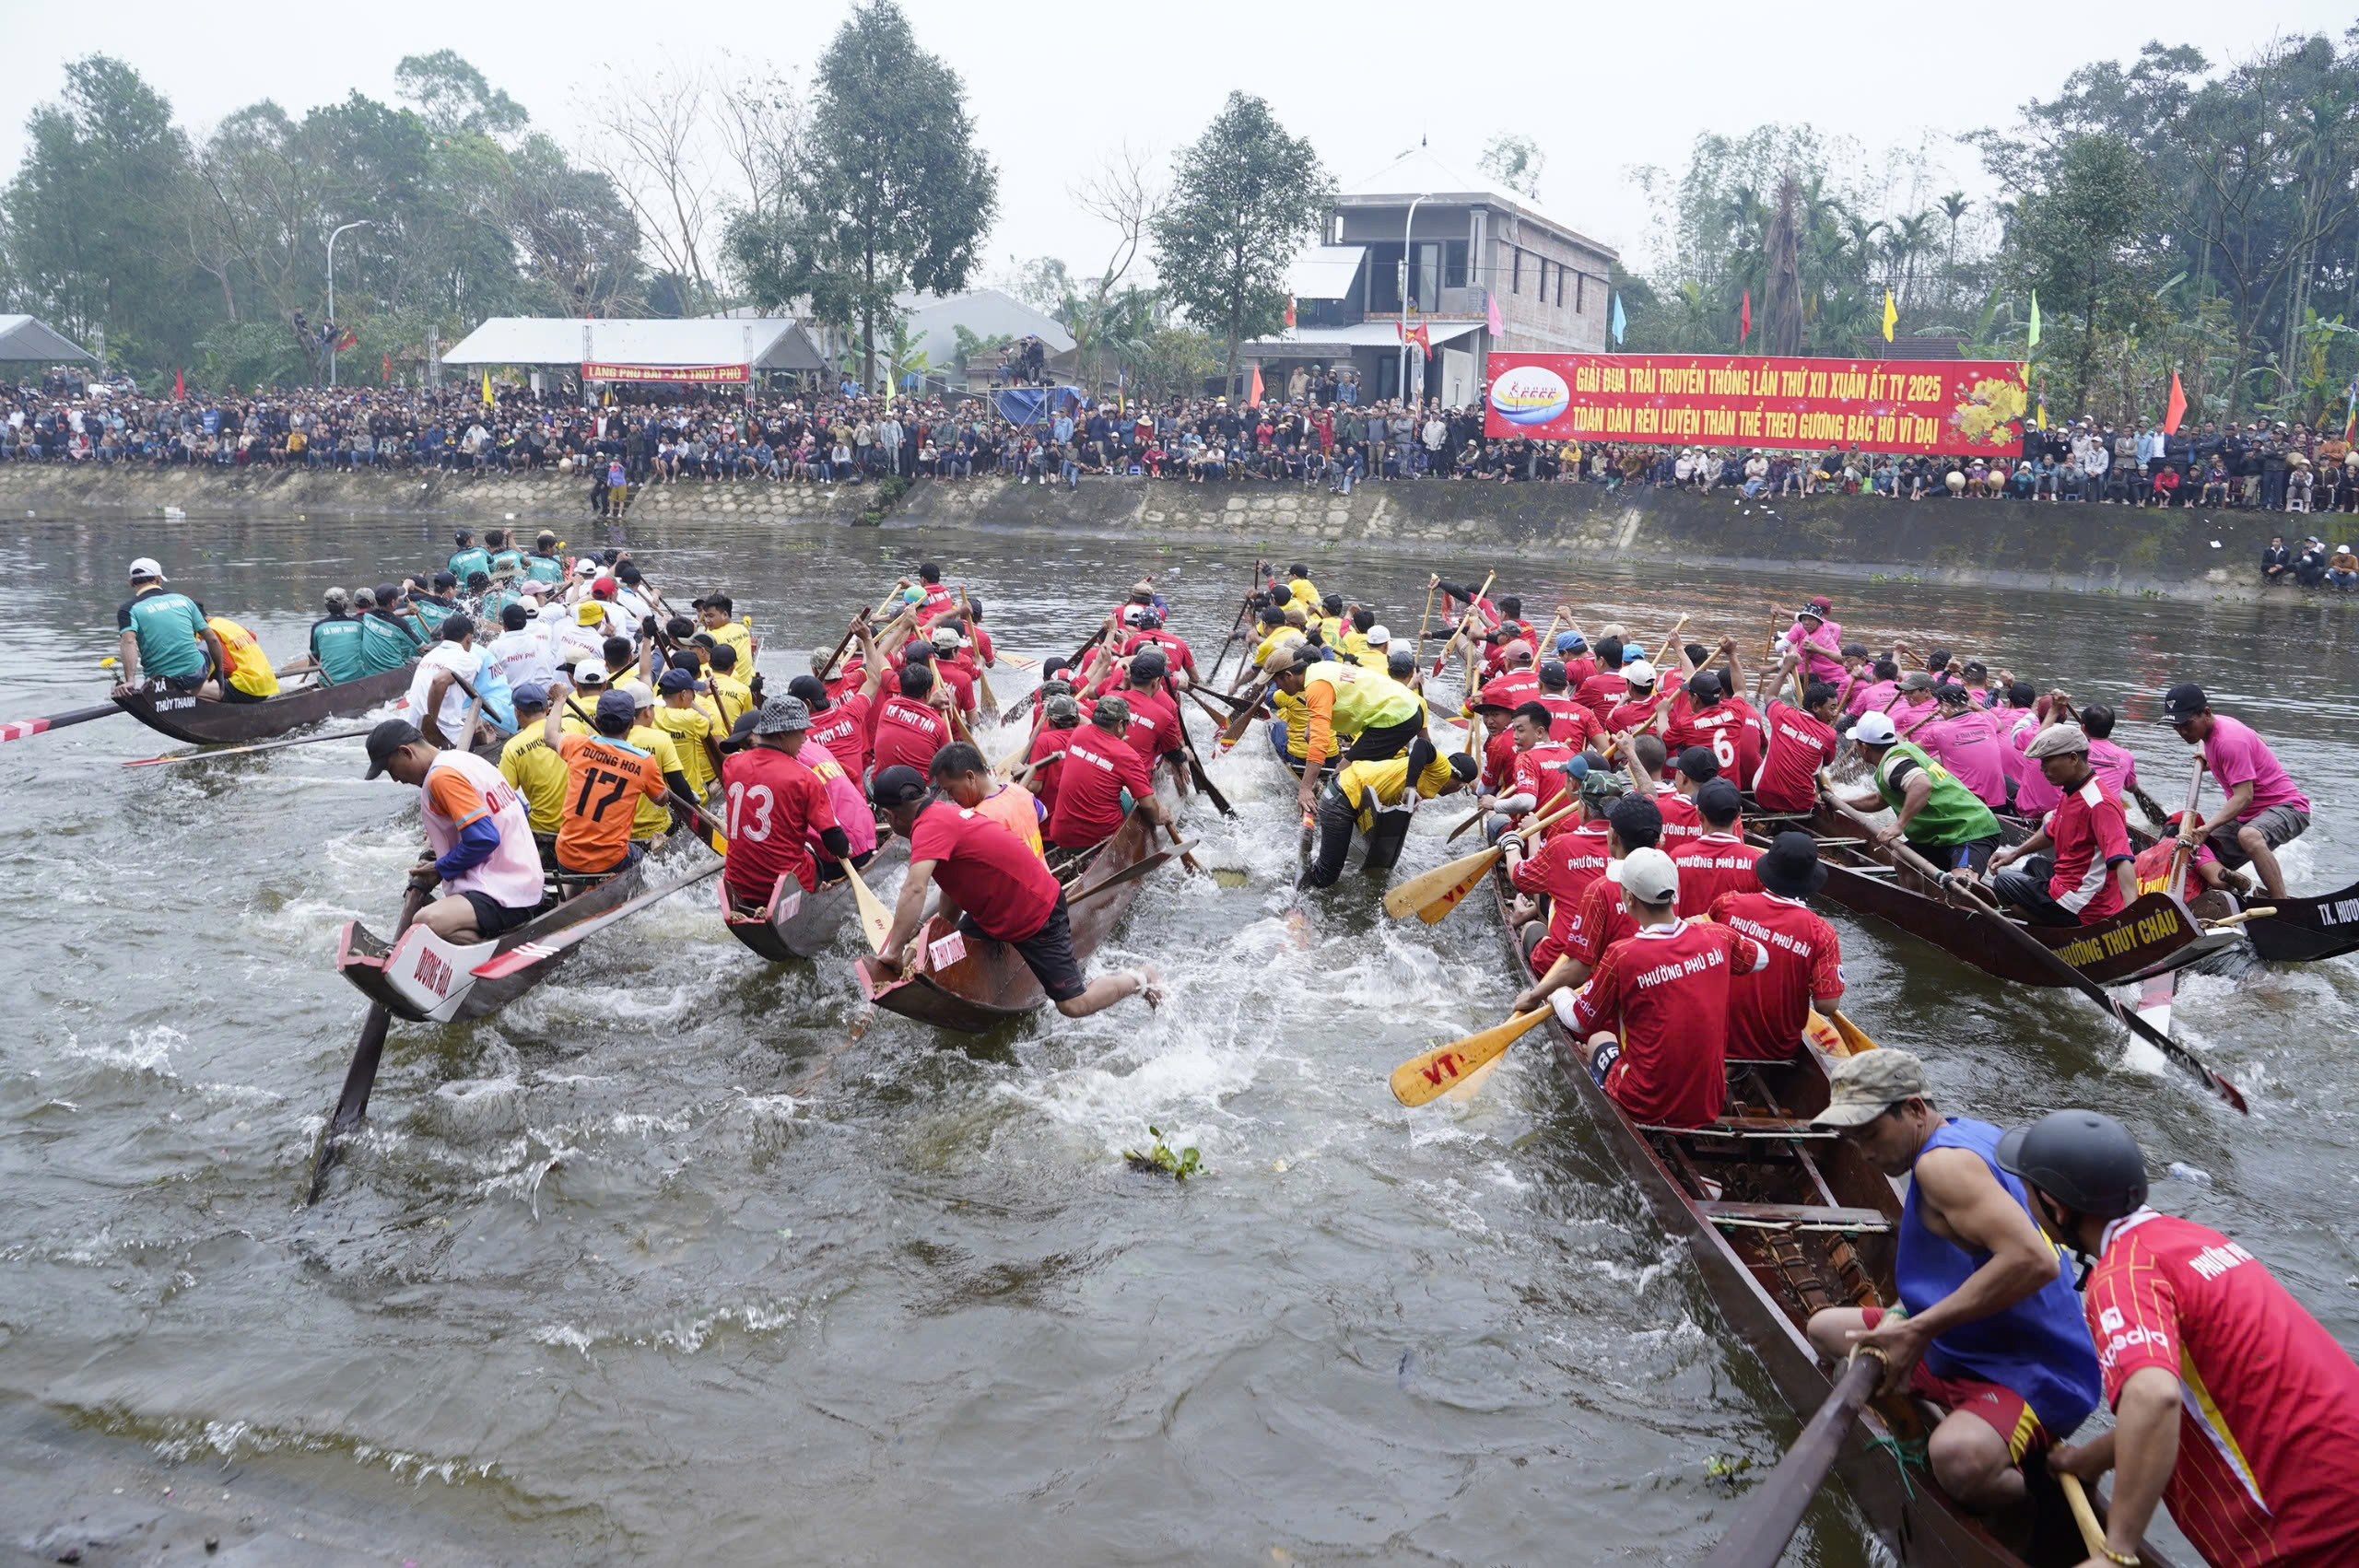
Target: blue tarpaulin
1026,406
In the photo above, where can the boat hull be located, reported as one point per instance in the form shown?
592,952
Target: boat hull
420,979
973,984
201,723
791,923
2305,930
1742,1270
2148,937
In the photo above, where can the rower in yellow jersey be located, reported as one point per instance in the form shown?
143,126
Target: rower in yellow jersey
537,771
1299,583
724,679
716,612
1364,715
650,818
250,677
691,729
1363,795
1277,631
588,683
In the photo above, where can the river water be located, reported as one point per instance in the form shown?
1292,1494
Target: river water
661,1264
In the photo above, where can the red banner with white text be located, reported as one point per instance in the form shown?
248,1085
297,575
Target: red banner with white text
1960,406
694,375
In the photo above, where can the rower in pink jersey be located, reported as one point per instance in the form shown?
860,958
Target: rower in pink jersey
1966,740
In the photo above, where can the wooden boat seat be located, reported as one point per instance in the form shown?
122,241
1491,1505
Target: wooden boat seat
1794,1216
1748,1127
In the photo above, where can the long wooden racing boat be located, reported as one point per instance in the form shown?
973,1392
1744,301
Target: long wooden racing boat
2150,936
201,723
2303,929
791,923
1781,1220
424,979
973,984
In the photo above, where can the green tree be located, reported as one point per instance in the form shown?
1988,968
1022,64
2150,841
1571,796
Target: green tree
1245,196
890,192
2083,243
1514,161
90,216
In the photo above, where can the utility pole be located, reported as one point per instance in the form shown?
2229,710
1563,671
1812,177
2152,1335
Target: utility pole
335,330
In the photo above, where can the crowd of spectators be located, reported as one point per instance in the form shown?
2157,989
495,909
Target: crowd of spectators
1309,430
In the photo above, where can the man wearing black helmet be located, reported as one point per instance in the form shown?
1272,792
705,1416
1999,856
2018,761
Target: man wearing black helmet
1987,1326
2231,1404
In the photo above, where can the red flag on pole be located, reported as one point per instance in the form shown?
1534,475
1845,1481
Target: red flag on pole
2176,410
180,386
1254,388
1289,312
1744,317
1420,336
386,373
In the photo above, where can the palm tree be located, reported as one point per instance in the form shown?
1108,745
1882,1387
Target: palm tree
1910,236
1954,207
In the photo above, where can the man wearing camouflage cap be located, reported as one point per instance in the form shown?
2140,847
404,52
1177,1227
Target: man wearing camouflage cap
778,805
1988,1326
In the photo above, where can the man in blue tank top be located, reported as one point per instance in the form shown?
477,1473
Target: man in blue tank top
1989,1327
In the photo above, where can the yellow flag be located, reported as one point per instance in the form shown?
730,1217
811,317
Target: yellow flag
487,386
1891,315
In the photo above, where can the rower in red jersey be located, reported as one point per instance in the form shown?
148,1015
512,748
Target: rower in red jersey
1177,655
1570,723
1600,693
1560,871
1652,1023
1802,741
1769,1009
2232,1405
1718,860
1598,919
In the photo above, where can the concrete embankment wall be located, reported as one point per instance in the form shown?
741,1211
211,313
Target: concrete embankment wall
2085,548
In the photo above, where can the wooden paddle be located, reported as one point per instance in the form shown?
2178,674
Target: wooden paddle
2045,957
24,728
1426,619
876,921
2076,1496
1474,608
1196,773
1431,896
524,954
361,1077
1771,1511
984,696
1428,1076
2160,992
240,750
1235,731
1131,873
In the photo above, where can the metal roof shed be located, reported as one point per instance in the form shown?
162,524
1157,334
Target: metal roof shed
25,339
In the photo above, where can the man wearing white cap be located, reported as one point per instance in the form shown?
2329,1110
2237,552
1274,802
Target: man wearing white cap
1940,817
1651,1024
165,639
1378,653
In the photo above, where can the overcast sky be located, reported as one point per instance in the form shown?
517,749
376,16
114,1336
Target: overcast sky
1602,87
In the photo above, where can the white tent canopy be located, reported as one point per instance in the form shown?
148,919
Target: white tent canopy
767,343
23,338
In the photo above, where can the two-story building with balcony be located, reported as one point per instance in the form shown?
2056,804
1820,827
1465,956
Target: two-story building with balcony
1424,242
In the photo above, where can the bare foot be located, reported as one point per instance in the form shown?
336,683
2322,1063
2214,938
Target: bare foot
1151,986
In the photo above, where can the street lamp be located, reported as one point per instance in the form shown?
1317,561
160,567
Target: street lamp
355,223
1407,224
